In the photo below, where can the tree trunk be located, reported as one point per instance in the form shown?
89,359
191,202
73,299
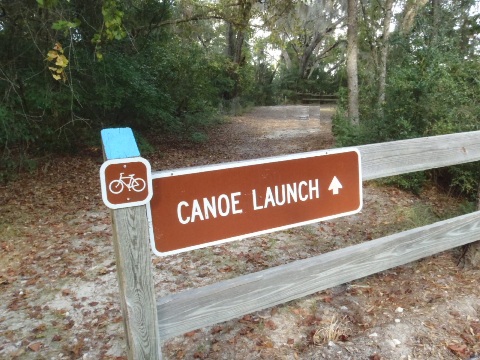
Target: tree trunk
286,59
307,53
352,69
436,9
412,8
382,71
235,41
312,46
232,43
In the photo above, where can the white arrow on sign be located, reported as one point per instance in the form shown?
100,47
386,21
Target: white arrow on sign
335,185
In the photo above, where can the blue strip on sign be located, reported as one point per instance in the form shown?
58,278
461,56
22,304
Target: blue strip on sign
119,143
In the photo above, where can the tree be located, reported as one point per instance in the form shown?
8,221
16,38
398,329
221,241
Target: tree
352,62
236,18
68,68
305,32
237,27
382,72
377,18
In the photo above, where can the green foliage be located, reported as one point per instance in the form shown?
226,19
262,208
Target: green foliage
432,89
47,3
143,144
174,86
418,215
262,71
460,179
288,84
112,27
466,207
168,68
10,166
199,137
346,134
263,91
413,182
156,82
465,179
66,26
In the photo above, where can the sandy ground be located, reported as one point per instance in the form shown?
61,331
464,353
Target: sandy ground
59,292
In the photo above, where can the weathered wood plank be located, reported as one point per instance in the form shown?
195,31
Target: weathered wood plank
400,157
119,143
319,100
405,156
318,95
135,278
134,266
197,308
180,313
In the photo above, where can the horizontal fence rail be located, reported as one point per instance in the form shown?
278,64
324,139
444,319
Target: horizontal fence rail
193,309
307,98
404,156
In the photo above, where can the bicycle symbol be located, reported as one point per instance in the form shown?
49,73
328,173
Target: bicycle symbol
136,184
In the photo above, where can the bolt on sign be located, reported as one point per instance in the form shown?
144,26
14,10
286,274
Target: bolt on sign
197,207
126,182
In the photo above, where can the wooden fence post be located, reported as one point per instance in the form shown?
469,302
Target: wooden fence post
472,250
133,260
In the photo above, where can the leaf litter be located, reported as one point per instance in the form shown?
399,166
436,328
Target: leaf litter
59,293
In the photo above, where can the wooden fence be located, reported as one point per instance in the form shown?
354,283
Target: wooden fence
192,309
317,99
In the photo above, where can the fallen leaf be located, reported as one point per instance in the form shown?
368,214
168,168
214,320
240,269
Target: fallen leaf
245,330
268,344
459,349
270,325
191,333
69,325
246,318
225,269
103,271
18,353
216,329
35,346
39,328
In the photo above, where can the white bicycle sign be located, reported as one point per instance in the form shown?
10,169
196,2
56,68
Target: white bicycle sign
136,184
136,177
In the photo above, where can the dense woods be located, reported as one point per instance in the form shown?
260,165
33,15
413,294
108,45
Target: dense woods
402,69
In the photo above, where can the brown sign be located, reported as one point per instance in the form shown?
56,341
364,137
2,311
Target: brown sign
193,208
126,182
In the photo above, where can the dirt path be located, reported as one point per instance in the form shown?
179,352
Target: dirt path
58,288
